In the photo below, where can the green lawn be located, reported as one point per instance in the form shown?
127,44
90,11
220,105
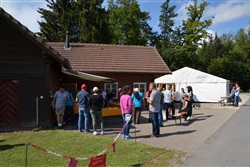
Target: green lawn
128,153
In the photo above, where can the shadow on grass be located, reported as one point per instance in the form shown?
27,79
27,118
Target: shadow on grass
8,146
169,134
136,165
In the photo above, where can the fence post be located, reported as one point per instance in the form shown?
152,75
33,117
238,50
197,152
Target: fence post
26,154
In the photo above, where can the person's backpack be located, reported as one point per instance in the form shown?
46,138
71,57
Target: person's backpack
137,95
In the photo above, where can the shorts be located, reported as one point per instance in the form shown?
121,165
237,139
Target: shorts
60,111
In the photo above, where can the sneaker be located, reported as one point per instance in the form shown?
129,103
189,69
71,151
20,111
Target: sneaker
188,118
128,137
86,131
95,133
80,130
123,137
152,136
102,132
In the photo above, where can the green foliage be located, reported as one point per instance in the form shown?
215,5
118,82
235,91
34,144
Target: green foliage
57,20
233,63
128,153
85,20
93,26
166,46
193,32
128,23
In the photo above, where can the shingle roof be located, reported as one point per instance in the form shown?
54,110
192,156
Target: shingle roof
113,58
32,36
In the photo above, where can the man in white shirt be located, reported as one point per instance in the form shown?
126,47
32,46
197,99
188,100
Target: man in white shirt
167,103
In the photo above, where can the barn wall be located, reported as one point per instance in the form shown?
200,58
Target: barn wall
21,59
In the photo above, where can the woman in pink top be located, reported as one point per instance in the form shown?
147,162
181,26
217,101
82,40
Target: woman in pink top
127,109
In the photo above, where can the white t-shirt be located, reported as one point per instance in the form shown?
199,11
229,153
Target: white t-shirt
167,96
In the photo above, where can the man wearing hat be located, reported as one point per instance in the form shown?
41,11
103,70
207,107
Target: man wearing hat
82,98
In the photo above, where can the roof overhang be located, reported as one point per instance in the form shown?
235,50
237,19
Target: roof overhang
86,76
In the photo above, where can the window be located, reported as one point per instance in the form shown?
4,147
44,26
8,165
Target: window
112,88
141,86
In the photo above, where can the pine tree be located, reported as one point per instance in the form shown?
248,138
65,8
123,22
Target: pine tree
57,20
86,21
93,23
167,39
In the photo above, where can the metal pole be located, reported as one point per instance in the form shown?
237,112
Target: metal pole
37,112
26,154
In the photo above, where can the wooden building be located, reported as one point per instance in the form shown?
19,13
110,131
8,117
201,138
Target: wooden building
136,66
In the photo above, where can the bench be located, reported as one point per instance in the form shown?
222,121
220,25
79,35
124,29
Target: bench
179,116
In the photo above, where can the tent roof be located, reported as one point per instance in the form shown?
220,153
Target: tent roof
187,74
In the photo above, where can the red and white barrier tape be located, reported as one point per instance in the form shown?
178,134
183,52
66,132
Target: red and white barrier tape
76,158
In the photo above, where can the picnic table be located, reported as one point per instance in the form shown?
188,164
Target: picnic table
112,109
226,100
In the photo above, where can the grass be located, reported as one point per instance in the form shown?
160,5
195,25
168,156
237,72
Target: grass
128,153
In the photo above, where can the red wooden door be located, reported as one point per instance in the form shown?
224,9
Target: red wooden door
9,103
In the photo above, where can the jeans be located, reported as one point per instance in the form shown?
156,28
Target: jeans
233,96
69,109
236,101
83,112
127,128
160,117
155,123
169,106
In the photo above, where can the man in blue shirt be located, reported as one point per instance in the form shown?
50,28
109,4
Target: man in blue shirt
137,98
236,97
82,98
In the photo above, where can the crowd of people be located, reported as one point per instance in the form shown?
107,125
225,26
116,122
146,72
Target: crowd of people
131,103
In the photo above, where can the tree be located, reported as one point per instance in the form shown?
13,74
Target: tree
128,23
234,64
193,32
86,20
167,40
57,20
93,22
211,49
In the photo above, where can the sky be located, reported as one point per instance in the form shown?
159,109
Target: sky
229,15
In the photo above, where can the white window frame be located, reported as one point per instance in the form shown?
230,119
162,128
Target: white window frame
141,83
116,88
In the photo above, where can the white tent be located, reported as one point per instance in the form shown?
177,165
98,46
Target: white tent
206,87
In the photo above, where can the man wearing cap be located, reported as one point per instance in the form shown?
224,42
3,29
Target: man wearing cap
59,104
82,98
